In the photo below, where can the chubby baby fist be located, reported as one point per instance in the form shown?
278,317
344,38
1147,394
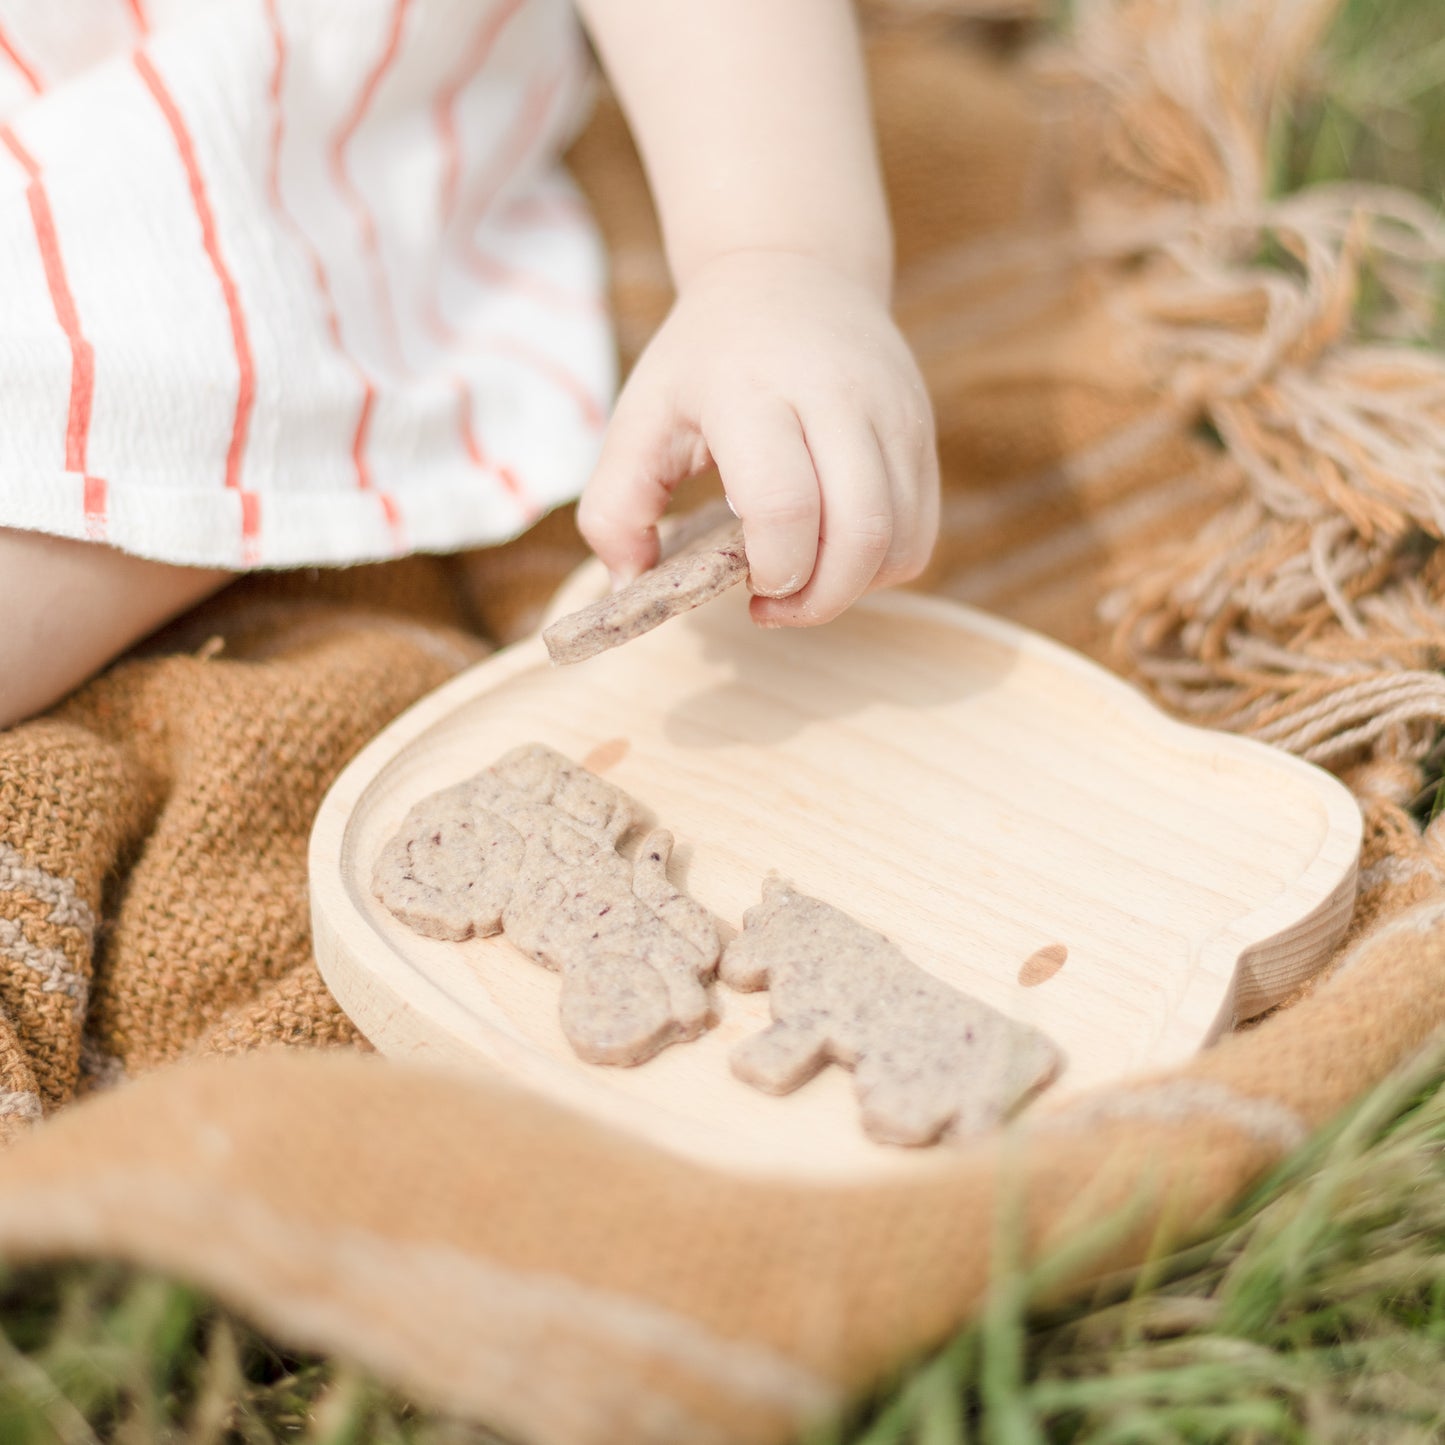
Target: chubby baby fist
791,376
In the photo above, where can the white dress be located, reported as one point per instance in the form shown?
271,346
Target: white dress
294,282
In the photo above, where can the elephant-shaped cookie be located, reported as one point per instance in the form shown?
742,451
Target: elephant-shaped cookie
529,848
927,1060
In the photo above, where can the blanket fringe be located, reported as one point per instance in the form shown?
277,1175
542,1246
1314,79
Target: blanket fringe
1311,611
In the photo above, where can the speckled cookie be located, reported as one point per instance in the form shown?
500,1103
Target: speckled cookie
928,1061
529,848
697,575
447,871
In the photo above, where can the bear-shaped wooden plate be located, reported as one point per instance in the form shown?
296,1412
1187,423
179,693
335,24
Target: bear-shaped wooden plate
1021,823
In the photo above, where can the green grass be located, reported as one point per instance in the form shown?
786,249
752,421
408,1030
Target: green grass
1373,105
1315,1313
97,1352
1372,108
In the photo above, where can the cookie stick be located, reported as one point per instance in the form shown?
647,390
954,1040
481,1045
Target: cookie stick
679,584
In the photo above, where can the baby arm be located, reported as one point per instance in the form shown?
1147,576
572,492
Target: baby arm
779,360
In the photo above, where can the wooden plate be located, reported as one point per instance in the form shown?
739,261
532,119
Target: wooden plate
990,800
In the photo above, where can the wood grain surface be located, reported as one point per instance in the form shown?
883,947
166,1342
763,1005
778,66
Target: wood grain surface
1019,821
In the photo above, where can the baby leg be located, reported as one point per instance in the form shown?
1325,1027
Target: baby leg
68,608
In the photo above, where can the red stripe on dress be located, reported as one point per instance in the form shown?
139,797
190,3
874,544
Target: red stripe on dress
495,271
27,71
508,478
527,125
390,512
241,341
278,116
554,370
94,502
446,336
323,283
530,120
445,109
138,14
561,376
545,366
82,355
342,177
544,211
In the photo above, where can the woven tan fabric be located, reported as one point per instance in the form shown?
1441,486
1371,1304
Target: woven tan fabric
153,863
1073,275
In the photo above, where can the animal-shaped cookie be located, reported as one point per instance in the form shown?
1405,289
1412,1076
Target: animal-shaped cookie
529,848
927,1060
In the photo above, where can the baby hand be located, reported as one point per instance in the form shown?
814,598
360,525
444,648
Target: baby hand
792,378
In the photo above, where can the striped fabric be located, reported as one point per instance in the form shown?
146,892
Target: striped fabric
293,282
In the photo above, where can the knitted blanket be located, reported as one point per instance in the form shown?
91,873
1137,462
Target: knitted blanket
1077,234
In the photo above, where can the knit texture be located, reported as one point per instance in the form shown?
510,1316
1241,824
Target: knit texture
1065,279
